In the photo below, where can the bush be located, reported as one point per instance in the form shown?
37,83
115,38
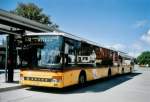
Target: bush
144,58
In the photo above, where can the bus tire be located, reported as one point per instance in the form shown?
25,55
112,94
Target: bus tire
122,71
109,73
130,69
82,79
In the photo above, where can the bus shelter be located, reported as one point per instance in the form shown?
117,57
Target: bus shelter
16,27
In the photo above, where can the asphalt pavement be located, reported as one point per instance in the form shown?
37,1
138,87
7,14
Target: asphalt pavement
126,88
4,86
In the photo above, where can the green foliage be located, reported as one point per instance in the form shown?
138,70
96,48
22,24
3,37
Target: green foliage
33,12
144,58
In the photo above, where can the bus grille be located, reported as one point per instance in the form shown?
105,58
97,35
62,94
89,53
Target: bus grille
38,79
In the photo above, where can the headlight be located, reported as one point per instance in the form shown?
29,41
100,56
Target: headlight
56,79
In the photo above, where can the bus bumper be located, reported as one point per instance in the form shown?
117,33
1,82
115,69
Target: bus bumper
41,78
42,84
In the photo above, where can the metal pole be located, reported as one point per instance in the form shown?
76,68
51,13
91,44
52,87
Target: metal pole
11,58
6,52
22,50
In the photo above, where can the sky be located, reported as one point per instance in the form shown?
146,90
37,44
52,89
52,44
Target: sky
121,24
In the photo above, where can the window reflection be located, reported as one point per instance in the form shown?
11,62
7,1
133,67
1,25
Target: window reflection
43,51
51,52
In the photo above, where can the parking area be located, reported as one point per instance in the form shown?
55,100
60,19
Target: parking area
127,88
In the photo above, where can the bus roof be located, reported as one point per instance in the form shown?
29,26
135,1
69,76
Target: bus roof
68,35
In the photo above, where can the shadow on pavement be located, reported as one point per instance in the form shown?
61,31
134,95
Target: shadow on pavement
92,86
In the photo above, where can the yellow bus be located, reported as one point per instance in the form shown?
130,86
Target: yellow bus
59,59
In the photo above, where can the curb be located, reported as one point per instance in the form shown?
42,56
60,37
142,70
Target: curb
11,88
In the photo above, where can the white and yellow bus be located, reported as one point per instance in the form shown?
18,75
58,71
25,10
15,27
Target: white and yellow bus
60,59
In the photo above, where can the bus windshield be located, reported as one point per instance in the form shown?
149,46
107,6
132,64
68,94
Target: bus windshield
50,54
44,51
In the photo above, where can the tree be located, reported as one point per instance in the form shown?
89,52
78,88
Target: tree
33,12
144,58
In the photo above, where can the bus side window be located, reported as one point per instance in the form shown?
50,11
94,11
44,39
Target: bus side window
70,52
66,53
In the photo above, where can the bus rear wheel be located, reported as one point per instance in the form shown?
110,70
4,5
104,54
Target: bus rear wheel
131,70
109,73
122,70
82,80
